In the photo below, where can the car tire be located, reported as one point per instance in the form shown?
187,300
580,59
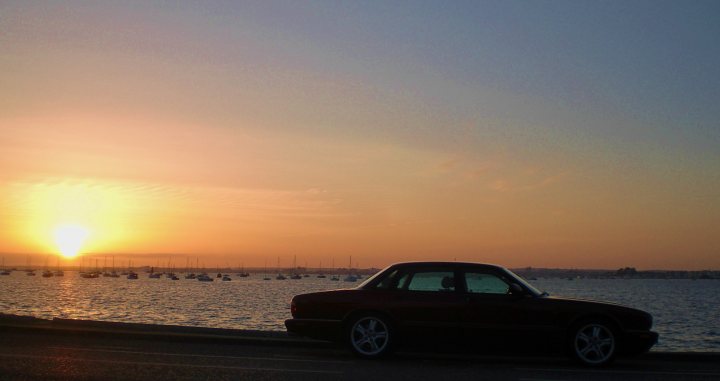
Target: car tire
594,343
370,336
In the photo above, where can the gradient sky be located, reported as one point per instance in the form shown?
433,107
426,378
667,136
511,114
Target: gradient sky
579,134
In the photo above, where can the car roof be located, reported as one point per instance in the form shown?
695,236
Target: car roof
445,263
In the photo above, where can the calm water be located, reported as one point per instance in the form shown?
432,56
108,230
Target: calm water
687,312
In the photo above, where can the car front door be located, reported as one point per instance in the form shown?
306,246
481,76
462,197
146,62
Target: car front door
494,318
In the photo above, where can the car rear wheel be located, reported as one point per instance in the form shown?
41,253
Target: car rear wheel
370,336
594,343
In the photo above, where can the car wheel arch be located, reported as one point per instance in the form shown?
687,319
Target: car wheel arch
579,319
352,315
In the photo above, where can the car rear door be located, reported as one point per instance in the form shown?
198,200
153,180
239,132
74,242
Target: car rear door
426,305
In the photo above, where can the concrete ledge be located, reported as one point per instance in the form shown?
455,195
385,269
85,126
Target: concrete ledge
169,332
175,332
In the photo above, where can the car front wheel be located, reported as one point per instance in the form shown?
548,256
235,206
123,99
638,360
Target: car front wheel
594,343
370,336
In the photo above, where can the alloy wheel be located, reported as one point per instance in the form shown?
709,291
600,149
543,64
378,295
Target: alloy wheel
594,344
370,336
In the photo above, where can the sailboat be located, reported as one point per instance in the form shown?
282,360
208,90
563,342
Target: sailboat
204,277
29,271
114,274
279,276
173,276
132,275
153,274
334,277
295,274
265,275
321,275
171,270
242,273
191,275
47,273
350,277
105,273
86,274
4,270
58,272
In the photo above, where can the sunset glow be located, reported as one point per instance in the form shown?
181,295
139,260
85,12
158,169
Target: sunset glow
242,132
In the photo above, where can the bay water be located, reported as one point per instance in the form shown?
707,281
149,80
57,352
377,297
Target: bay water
686,312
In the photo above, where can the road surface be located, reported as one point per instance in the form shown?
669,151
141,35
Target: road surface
43,354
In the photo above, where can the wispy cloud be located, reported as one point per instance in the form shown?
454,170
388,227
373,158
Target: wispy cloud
525,183
498,174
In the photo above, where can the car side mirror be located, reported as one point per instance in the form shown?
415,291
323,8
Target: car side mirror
516,289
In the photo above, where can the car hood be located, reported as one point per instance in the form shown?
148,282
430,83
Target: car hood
638,317
562,299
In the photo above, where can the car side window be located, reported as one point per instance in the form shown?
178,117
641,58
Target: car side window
402,281
485,283
438,281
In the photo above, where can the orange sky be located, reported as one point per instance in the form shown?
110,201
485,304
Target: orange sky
229,197
182,137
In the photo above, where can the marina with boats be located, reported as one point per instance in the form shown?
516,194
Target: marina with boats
90,269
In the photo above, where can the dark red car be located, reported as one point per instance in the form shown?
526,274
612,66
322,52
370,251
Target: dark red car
472,306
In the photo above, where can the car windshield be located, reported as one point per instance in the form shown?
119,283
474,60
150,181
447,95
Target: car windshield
371,278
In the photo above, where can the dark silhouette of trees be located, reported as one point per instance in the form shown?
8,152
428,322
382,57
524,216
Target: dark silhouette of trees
626,271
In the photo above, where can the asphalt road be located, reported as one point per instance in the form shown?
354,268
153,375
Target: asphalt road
27,354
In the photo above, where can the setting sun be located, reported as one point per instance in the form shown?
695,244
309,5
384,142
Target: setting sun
69,239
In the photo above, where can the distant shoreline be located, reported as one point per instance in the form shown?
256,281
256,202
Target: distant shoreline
529,273
623,273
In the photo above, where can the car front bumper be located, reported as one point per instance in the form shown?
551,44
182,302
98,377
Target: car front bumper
323,329
636,342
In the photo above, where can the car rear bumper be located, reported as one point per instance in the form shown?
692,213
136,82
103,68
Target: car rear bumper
324,329
639,341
